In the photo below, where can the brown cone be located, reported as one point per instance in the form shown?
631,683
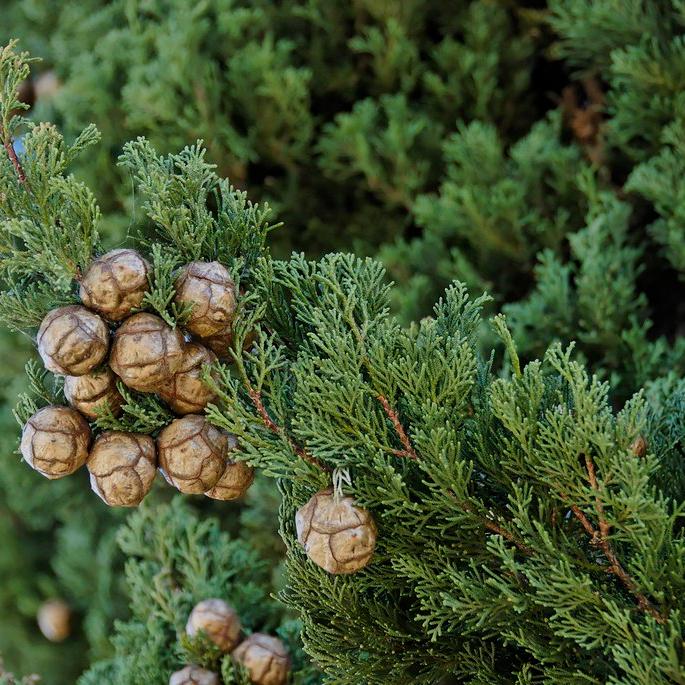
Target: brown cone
337,535
115,283
91,392
53,620
209,289
55,441
72,340
265,658
218,621
122,467
236,478
185,392
146,352
192,454
194,675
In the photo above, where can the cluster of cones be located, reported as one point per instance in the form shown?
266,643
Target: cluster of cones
101,342
264,657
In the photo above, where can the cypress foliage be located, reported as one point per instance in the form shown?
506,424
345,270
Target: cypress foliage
529,511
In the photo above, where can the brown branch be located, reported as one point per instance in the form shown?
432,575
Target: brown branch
496,528
15,161
408,450
604,528
256,398
600,539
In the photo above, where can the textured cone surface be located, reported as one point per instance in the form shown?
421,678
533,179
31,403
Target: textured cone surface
209,289
218,620
192,454
146,352
91,392
55,441
236,478
122,467
336,535
115,283
53,620
72,340
194,675
185,392
265,658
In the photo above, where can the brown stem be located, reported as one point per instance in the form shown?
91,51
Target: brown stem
408,450
256,398
15,160
496,528
600,539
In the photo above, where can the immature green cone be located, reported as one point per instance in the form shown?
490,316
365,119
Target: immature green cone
265,658
146,352
192,454
91,392
336,534
72,340
122,467
218,621
115,283
209,289
194,675
55,441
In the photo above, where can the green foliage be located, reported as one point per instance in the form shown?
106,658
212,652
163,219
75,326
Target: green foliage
275,88
174,560
517,529
495,210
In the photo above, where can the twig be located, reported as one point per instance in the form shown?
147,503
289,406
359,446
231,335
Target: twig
408,450
496,528
256,398
15,160
600,539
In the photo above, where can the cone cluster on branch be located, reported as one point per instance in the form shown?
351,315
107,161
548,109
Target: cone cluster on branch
264,657
103,342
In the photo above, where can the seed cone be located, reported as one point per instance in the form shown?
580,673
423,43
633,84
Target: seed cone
146,352
55,441
209,289
265,658
115,283
336,534
194,675
236,478
53,619
92,391
122,467
185,392
218,620
192,454
72,340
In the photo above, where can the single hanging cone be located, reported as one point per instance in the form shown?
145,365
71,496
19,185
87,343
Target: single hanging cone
336,534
